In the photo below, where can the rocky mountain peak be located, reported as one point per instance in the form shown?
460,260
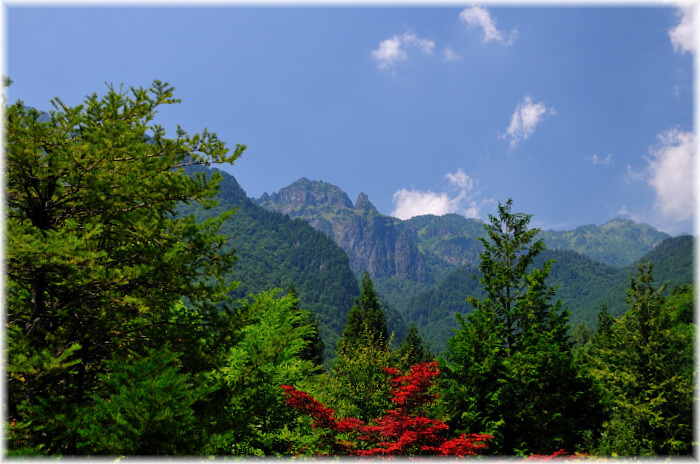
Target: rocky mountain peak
363,203
304,193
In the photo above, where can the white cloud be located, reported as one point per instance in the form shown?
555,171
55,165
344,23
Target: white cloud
634,174
450,54
524,120
477,16
460,179
595,159
625,212
458,199
390,51
671,169
683,35
424,44
410,203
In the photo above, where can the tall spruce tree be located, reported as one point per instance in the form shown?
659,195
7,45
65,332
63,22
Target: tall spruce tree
98,262
511,372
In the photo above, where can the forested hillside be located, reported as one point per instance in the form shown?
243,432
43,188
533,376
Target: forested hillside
143,318
274,251
581,283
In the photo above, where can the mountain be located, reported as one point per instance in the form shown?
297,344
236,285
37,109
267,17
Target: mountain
424,266
407,257
275,251
581,283
372,240
619,242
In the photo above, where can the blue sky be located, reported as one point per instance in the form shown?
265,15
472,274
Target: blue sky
580,114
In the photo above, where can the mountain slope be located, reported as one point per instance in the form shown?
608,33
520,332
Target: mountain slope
276,251
581,283
619,242
405,258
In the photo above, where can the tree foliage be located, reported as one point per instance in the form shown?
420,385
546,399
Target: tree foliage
366,321
511,371
269,353
96,259
403,430
644,362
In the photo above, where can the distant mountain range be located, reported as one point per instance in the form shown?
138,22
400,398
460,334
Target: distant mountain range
423,268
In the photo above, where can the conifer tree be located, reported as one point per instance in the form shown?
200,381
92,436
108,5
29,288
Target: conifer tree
644,364
412,350
511,371
97,259
358,385
366,320
314,351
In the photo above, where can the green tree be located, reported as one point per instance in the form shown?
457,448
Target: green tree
314,351
268,354
146,407
605,320
412,350
96,258
644,362
511,372
366,320
358,386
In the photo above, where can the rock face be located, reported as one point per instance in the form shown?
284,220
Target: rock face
407,257
373,242
305,193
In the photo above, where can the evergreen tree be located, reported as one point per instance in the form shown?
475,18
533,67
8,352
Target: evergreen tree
97,261
366,320
644,364
412,351
268,354
358,386
605,320
314,351
511,371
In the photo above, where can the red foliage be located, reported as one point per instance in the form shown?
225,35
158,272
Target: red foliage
402,431
558,455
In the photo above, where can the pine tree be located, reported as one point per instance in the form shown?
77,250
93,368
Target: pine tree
511,371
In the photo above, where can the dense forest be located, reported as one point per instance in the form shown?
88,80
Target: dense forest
152,309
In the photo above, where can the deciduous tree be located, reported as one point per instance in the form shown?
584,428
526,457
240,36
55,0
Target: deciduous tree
403,431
